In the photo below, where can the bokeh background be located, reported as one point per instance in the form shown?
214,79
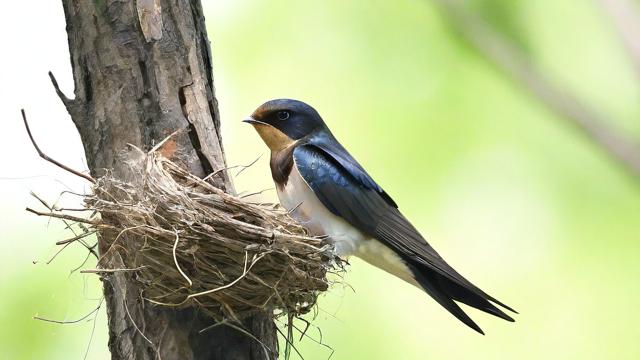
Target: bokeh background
510,193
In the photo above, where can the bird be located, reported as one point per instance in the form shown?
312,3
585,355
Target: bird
325,189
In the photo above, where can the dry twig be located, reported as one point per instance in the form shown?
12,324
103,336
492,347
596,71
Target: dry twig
49,159
490,43
626,19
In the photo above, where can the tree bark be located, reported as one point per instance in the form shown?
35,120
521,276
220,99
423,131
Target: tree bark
142,70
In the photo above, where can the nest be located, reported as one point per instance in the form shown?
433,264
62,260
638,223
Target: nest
187,243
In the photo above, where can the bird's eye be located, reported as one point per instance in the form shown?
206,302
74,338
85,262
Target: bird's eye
283,115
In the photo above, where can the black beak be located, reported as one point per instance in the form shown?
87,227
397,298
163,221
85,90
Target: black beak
253,121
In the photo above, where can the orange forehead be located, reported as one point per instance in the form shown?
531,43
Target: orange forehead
261,112
273,106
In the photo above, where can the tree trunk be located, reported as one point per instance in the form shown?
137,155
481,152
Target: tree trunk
142,70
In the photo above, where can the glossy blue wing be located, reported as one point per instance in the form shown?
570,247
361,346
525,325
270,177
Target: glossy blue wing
347,193
329,145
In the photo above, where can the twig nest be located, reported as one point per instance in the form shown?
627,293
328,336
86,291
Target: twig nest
188,243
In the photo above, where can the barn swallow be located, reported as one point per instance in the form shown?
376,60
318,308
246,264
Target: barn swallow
329,192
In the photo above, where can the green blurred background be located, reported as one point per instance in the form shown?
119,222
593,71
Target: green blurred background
514,197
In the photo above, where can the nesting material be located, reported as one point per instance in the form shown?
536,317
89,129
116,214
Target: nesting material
188,243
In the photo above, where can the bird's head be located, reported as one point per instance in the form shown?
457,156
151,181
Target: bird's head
281,122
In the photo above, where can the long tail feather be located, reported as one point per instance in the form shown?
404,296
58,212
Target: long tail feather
446,292
433,289
471,298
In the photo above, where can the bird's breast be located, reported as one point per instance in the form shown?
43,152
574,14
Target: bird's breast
299,199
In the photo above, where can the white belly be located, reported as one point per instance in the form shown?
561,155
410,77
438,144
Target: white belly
298,198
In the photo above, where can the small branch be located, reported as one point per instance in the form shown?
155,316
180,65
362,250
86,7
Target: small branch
86,258
64,216
78,237
507,58
626,19
175,260
242,196
64,322
133,322
246,269
93,330
41,200
56,254
47,158
159,145
65,100
110,271
289,345
242,168
244,273
245,167
266,349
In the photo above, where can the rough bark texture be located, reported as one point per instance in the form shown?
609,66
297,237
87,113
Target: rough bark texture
142,70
